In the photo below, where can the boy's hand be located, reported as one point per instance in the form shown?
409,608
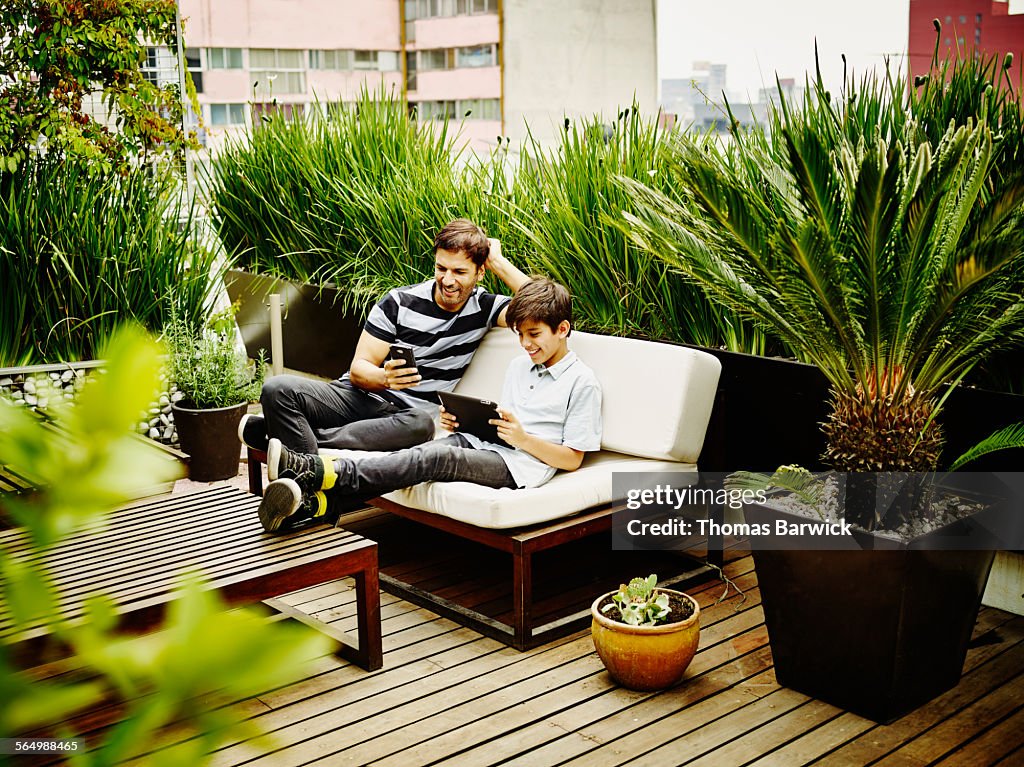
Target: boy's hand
396,377
448,422
509,428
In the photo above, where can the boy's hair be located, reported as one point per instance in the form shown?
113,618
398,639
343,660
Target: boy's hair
541,300
462,235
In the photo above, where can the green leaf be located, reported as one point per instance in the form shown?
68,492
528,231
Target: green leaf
27,592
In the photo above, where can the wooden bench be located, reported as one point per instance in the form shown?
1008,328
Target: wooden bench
140,555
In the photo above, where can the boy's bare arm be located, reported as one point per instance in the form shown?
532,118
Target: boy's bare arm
556,456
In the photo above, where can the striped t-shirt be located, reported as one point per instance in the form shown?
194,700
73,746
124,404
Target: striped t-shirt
444,342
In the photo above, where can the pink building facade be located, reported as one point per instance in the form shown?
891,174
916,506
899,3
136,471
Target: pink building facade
445,58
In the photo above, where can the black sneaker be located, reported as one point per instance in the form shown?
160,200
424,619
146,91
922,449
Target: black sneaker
283,463
285,505
252,432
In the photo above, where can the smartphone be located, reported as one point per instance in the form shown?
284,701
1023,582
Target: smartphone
405,353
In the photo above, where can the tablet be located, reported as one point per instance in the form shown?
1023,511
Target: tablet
472,414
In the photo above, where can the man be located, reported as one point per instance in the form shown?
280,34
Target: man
382,404
550,417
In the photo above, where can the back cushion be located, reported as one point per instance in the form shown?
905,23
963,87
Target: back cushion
657,397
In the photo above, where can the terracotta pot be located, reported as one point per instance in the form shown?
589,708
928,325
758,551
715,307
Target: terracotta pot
210,437
646,657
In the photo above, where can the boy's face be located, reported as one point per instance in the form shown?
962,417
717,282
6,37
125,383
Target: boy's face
455,276
546,346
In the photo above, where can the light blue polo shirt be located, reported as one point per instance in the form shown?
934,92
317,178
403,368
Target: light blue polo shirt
560,404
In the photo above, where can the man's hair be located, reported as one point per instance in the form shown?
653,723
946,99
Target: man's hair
462,235
541,300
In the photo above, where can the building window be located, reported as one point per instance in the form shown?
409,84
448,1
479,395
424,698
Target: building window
194,65
963,19
411,8
465,109
452,58
365,60
227,114
435,110
160,66
479,109
328,59
223,58
275,58
268,82
277,71
476,56
428,9
437,58
387,61
977,36
977,18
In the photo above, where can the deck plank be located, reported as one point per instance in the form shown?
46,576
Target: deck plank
1002,739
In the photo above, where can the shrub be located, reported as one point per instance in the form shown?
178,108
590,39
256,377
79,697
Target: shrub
82,251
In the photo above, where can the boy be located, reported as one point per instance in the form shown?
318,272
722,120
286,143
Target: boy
550,417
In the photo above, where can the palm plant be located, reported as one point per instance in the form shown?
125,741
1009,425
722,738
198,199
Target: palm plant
888,261
566,206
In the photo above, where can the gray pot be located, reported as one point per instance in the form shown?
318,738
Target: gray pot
210,437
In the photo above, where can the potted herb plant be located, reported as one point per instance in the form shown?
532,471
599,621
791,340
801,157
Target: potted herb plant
879,234
217,381
645,636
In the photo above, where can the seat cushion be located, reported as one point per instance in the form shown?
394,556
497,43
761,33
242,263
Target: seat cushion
566,494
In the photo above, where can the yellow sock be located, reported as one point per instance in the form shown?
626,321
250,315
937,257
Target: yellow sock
321,504
330,475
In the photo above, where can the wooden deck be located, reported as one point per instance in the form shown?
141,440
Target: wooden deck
448,695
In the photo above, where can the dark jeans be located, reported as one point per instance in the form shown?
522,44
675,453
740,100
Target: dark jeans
451,459
306,414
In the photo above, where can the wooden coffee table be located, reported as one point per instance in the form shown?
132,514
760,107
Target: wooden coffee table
138,559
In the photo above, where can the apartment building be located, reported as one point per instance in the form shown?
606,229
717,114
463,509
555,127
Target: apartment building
495,65
967,26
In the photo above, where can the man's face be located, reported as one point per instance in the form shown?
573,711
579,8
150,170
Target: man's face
455,276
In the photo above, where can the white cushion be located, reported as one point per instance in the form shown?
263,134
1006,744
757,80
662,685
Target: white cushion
657,397
565,494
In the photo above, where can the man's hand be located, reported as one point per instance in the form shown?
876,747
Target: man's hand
494,255
505,271
396,377
509,428
448,422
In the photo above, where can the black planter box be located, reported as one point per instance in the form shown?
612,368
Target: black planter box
317,337
877,631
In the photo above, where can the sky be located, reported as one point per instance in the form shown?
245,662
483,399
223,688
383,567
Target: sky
757,38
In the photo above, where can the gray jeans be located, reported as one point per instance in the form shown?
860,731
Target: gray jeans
306,414
451,459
